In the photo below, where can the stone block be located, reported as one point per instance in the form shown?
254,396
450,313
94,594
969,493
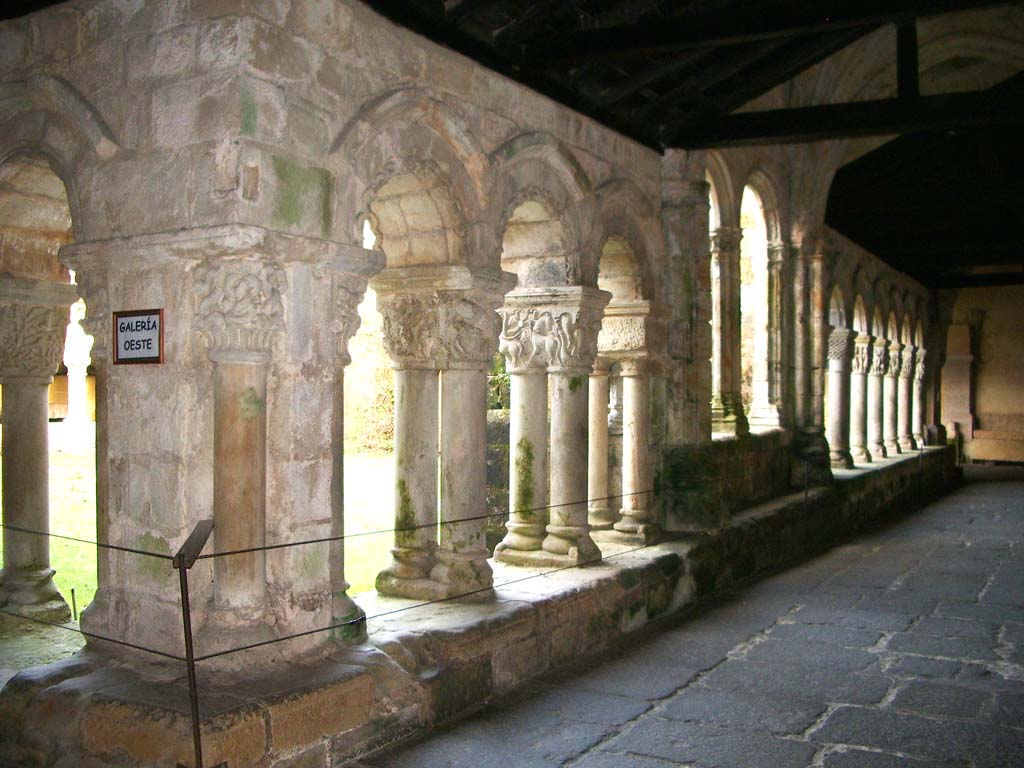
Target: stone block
14,45
220,44
454,688
517,662
310,716
326,22
162,738
278,55
169,54
56,32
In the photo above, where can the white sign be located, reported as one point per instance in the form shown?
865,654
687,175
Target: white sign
139,336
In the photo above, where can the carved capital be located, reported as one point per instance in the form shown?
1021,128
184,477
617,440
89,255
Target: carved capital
684,193
33,320
635,366
880,358
862,350
347,292
239,307
555,329
907,363
919,366
726,241
840,345
895,359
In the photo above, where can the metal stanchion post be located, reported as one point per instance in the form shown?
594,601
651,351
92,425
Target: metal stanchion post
183,561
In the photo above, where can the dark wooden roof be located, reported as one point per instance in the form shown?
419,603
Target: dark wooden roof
669,73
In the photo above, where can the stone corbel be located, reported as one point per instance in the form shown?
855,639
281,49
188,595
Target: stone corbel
33,319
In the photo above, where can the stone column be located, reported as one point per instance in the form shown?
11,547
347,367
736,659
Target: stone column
528,434
878,367
904,399
862,348
726,400
600,514
239,309
767,392
637,524
840,354
918,421
471,327
33,319
347,291
889,409
801,340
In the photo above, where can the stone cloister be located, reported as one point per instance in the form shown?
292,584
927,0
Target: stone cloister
220,162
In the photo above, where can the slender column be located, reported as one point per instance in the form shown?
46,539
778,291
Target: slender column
862,348
347,292
239,309
801,341
840,353
637,521
600,514
767,387
726,400
876,372
889,389
528,462
904,399
33,318
918,420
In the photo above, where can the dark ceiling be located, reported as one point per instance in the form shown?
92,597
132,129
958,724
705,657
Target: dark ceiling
939,203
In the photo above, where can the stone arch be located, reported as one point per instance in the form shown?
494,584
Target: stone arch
838,311
543,200
625,214
860,316
725,199
49,117
418,144
878,322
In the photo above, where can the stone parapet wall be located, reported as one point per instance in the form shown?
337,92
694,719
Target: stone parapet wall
428,664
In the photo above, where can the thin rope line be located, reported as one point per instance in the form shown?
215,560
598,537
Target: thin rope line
405,529
96,636
363,619
117,547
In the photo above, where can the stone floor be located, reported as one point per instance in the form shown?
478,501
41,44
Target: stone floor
903,648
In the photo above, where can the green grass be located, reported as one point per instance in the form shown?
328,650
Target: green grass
369,505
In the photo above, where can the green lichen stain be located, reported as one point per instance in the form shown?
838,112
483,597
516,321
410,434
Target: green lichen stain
524,477
352,626
406,517
248,113
250,405
301,190
575,383
154,567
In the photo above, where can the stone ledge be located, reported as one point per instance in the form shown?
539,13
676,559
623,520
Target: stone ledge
432,663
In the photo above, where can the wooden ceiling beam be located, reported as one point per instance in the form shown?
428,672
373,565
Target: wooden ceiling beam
716,30
862,118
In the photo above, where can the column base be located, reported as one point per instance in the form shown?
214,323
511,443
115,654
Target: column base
540,558
892,448
877,451
810,463
462,572
344,611
840,459
641,535
918,439
601,518
860,455
729,418
571,541
31,592
523,537
418,589
907,444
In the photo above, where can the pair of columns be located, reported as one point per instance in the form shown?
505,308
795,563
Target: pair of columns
441,331
874,409
33,319
549,339
633,522
727,414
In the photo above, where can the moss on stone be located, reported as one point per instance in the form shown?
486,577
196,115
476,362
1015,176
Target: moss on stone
301,190
575,382
406,517
524,476
153,567
250,405
249,113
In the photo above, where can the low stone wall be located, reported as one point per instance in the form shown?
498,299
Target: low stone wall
700,487
425,664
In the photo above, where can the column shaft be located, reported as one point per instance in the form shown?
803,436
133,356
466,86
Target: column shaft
239,484
568,532
462,555
416,446
918,419
905,401
876,375
727,404
528,459
602,517
889,390
636,497
859,400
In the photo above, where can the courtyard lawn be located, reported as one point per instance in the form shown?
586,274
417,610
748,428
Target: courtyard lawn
369,494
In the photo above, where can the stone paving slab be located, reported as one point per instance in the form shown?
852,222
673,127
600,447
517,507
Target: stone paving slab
904,648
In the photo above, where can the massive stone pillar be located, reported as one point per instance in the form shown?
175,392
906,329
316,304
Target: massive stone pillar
239,310
600,514
879,365
441,331
862,349
726,400
904,399
891,399
840,354
637,521
33,319
918,425
684,219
